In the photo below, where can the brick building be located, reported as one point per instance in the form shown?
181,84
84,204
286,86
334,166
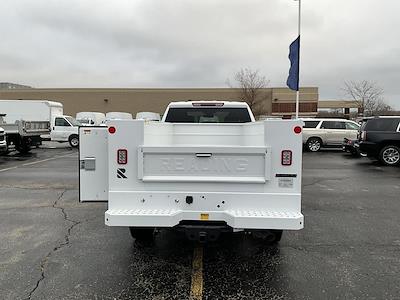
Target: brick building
277,101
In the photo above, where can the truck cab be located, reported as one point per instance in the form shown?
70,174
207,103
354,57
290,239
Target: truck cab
206,168
65,129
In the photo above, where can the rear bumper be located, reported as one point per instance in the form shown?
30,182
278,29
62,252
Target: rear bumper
371,149
236,219
237,210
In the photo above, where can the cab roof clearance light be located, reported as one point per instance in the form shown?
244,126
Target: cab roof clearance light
213,104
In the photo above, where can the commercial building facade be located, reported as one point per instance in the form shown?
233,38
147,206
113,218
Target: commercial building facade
275,101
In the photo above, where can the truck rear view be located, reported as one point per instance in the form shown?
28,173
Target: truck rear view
207,168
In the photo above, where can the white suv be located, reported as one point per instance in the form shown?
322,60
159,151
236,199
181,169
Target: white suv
318,133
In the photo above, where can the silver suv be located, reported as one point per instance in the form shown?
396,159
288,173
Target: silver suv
318,133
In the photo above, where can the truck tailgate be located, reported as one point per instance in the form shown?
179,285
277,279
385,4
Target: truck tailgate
204,164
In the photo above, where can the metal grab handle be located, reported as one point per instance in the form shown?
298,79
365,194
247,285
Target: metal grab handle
203,154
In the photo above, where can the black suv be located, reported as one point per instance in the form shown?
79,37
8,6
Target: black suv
379,138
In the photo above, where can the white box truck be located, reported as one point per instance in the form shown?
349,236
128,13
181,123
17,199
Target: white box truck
63,128
206,168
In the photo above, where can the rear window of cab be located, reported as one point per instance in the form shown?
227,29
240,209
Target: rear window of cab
207,115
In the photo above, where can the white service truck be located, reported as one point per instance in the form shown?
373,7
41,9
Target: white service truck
148,115
206,168
90,118
112,115
62,128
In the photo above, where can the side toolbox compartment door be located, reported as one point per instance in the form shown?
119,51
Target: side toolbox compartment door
93,164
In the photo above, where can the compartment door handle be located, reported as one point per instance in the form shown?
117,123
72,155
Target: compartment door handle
203,154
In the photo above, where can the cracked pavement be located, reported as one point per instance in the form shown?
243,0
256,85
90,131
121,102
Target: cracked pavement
53,247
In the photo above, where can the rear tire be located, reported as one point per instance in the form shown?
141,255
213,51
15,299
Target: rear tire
142,233
270,236
23,148
278,235
73,140
390,155
314,144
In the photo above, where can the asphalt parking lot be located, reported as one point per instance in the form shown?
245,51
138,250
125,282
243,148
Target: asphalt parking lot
53,247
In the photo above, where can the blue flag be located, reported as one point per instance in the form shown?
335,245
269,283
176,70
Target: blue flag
294,57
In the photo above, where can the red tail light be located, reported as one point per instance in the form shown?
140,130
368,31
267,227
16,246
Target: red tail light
112,129
286,158
122,156
297,129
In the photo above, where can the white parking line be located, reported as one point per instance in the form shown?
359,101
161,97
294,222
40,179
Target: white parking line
38,161
3,170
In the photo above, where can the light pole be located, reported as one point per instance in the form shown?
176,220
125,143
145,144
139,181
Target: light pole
293,81
298,89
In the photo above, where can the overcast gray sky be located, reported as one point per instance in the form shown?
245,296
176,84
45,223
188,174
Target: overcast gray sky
198,43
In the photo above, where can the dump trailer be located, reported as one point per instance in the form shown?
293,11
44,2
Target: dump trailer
206,168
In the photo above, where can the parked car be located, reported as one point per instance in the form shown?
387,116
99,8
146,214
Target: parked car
3,142
351,146
379,138
319,133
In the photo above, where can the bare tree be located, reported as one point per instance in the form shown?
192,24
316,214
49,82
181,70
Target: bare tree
251,84
333,113
368,95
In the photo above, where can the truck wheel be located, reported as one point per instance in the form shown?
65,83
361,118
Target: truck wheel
355,153
278,235
270,236
73,140
23,149
390,155
142,233
314,144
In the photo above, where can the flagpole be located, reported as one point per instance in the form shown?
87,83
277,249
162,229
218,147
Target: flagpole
298,89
